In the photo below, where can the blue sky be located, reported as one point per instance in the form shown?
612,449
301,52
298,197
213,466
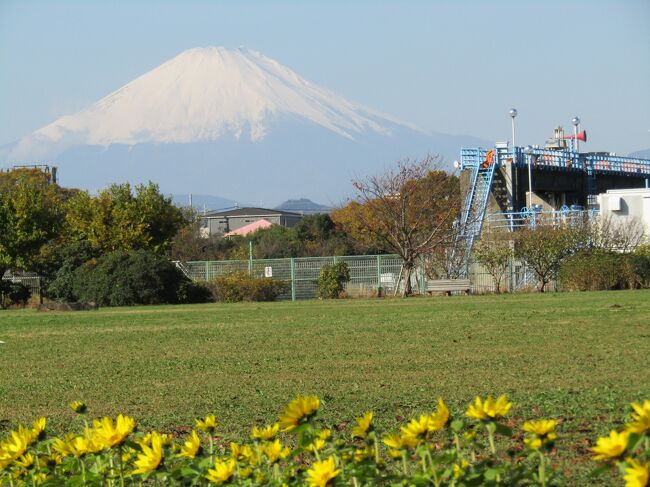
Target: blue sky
449,66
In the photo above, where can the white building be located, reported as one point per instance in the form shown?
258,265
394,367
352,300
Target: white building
623,206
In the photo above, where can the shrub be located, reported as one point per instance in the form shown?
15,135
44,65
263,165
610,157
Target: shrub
640,262
239,286
63,261
332,279
595,271
191,292
127,278
605,271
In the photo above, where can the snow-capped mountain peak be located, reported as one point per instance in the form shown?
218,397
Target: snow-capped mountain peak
231,122
205,93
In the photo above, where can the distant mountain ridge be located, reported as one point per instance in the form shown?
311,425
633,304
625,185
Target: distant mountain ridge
303,205
642,154
231,122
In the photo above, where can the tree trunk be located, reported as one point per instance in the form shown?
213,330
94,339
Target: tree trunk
406,275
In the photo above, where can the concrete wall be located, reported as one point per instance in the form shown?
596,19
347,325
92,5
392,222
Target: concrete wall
625,205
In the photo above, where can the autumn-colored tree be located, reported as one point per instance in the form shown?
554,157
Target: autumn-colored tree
351,219
408,210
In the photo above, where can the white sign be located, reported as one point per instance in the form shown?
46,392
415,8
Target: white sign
388,278
268,271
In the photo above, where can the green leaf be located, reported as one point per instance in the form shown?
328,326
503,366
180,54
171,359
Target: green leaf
502,429
597,472
133,444
491,474
634,441
190,472
457,425
422,449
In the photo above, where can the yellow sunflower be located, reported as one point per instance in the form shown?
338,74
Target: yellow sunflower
612,446
490,409
151,456
322,473
299,411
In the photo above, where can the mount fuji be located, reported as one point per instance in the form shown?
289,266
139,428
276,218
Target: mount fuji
230,122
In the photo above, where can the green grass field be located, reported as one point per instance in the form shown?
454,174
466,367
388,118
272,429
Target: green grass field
581,357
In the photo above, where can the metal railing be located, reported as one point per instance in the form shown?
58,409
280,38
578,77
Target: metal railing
535,217
561,159
31,282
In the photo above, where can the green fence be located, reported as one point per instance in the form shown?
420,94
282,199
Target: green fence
370,275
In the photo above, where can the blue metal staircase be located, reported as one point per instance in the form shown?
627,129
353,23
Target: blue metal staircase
475,203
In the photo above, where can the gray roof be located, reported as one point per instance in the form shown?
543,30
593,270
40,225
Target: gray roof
250,212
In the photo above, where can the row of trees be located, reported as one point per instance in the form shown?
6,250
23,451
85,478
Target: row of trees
53,230
313,236
409,210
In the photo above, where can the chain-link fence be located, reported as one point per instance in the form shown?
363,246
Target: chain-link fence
370,275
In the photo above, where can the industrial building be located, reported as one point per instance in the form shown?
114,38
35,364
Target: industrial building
509,187
225,221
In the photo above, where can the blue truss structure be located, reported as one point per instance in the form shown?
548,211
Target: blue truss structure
483,163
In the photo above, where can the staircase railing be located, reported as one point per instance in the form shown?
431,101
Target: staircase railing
483,165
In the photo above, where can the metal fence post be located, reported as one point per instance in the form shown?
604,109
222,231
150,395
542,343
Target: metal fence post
293,279
379,276
207,270
250,258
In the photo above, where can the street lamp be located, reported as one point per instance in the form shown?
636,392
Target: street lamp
513,114
528,150
576,129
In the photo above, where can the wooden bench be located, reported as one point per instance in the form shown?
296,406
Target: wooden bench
448,285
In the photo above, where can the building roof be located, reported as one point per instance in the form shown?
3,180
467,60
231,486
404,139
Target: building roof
250,228
629,191
251,211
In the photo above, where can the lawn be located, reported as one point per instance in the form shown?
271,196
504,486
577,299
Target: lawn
581,357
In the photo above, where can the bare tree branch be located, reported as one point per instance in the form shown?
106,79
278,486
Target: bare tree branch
410,208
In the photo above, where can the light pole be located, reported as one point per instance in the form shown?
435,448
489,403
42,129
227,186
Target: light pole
576,128
527,150
513,114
